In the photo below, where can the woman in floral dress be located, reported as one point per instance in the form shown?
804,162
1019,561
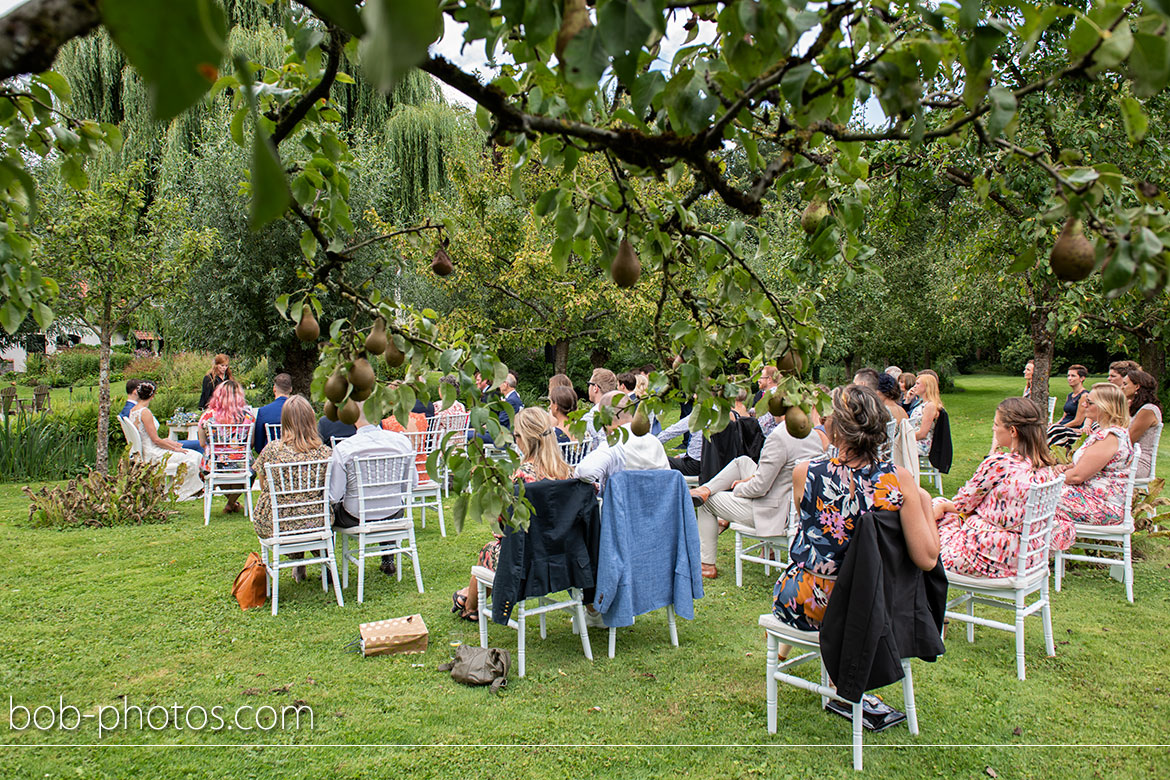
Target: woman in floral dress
979,529
835,493
542,460
1094,484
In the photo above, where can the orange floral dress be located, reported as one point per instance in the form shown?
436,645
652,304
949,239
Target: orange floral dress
835,496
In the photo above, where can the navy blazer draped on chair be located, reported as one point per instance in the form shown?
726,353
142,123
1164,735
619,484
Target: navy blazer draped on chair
558,551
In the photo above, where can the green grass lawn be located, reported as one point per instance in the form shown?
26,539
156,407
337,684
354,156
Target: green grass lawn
146,614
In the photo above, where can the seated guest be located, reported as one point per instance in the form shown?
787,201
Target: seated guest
416,419
690,462
1094,484
1065,431
833,494
562,403
601,382
1118,369
157,449
906,382
451,418
767,382
368,441
891,396
633,453
270,413
541,460
753,495
1029,369
642,391
894,371
867,377
923,416
131,396
329,430
227,406
627,381
559,380
508,391
979,529
298,442
1141,391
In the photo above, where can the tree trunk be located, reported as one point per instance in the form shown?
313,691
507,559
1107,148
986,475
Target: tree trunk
561,357
1152,356
103,432
299,362
1043,346
599,357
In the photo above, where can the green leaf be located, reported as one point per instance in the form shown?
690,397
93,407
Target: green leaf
792,84
399,33
344,13
1135,120
56,82
11,315
1114,49
624,26
584,59
1003,108
270,195
177,52
645,89
984,41
308,244
74,173
1149,64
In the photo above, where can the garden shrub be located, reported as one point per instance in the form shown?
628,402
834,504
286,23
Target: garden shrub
47,446
133,493
185,372
150,368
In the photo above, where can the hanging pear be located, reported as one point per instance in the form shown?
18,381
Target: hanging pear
336,386
574,20
393,355
349,413
441,262
376,341
1072,257
307,329
798,423
776,405
626,268
790,362
813,215
331,411
641,424
361,375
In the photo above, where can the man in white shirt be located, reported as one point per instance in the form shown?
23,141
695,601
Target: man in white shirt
634,453
369,440
601,382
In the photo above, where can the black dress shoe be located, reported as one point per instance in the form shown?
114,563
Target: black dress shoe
389,566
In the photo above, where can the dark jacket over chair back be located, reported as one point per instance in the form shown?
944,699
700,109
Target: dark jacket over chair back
558,551
941,450
742,436
882,609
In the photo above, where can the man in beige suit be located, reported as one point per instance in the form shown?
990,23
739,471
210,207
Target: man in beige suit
753,495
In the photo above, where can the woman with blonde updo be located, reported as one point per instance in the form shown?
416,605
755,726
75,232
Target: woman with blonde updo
535,436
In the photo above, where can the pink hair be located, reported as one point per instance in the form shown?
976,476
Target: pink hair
227,402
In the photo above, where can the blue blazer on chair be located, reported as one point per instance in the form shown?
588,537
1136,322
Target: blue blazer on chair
649,550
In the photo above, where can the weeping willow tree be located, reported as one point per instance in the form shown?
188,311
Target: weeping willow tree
401,140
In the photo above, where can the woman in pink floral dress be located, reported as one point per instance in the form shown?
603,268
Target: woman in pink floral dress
979,529
1094,484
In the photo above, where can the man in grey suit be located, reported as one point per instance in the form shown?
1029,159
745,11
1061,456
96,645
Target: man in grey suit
755,495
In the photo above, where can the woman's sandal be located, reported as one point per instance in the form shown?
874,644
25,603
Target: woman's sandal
723,524
460,601
473,616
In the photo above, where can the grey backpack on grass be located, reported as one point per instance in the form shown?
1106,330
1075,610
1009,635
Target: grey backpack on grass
479,666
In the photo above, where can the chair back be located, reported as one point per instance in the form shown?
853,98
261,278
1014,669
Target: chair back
1130,482
7,396
1051,407
383,485
424,443
886,450
272,431
299,493
574,451
449,422
133,440
1144,479
41,398
229,449
1036,529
